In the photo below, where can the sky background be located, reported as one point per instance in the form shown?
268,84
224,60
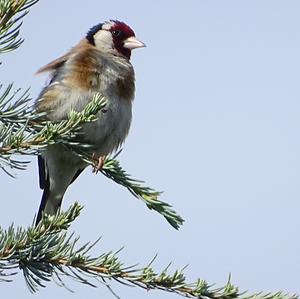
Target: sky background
215,125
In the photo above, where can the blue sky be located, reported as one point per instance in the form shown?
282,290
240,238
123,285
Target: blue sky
215,125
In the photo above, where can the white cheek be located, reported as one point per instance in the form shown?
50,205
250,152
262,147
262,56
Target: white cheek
103,40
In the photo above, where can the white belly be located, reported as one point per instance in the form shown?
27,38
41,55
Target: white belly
109,131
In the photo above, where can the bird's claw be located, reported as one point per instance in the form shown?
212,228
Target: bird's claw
98,165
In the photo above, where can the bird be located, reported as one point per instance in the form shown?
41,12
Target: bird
98,64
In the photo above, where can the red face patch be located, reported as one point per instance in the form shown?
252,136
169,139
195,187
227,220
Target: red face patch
123,29
120,32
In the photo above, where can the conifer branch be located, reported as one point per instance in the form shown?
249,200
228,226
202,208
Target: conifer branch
46,251
11,14
113,170
22,133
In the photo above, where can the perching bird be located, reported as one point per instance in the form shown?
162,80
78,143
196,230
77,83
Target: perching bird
99,63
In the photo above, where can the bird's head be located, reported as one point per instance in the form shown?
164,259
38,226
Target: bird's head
114,37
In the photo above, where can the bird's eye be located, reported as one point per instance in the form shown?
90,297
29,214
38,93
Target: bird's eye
116,33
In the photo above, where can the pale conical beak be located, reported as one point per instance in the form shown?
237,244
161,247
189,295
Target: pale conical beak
132,43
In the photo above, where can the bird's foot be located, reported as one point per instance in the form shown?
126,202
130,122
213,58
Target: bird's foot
98,165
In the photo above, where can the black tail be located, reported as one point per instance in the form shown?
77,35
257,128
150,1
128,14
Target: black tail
45,185
43,201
